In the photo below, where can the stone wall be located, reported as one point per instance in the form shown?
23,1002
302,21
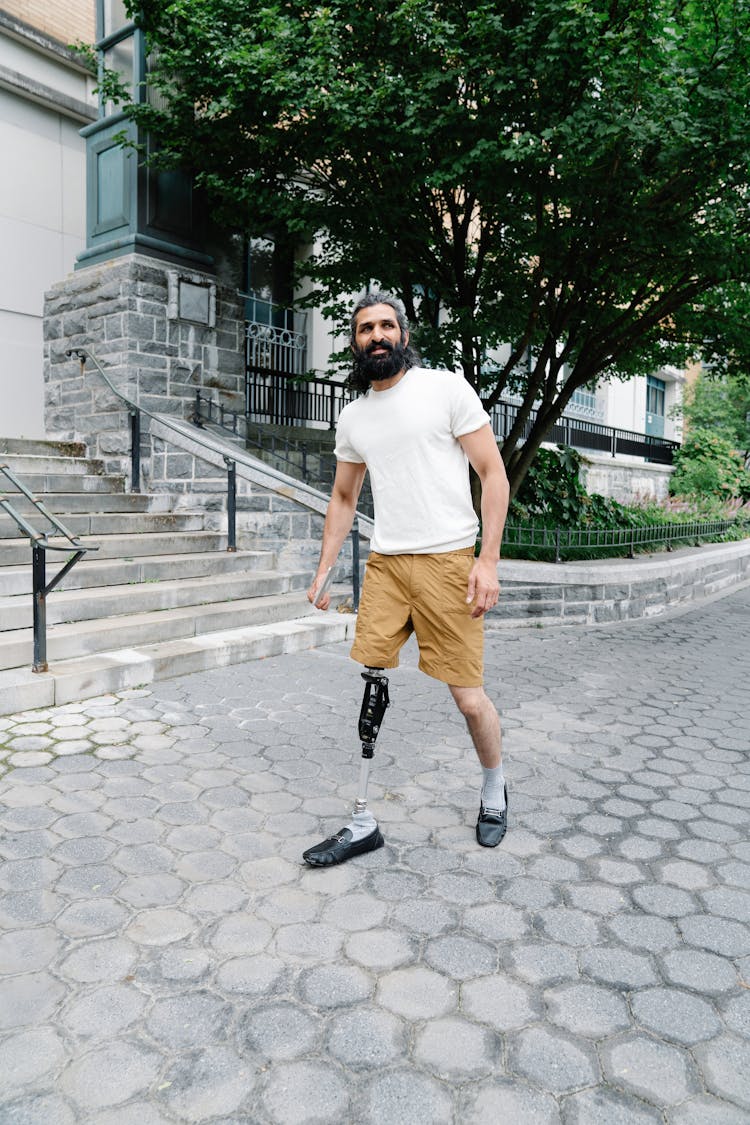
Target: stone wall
159,331
625,481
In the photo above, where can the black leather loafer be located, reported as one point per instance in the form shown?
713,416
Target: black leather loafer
338,848
492,825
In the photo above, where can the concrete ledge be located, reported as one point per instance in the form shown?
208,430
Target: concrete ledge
617,589
73,680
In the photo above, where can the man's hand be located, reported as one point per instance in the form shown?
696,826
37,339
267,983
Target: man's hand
483,589
318,592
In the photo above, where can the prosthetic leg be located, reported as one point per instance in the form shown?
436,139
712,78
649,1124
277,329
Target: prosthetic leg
362,833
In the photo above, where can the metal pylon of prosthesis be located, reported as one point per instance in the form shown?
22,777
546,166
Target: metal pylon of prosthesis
371,714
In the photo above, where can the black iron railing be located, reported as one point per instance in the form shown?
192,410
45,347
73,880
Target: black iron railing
282,400
316,468
556,541
40,544
581,433
135,411
285,400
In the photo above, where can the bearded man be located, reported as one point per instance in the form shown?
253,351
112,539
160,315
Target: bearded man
417,431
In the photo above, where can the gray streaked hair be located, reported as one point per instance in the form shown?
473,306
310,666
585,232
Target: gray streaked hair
380,297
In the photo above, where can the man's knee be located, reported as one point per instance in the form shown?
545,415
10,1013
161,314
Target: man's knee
471,701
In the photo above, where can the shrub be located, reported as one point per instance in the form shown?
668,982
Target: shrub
708,466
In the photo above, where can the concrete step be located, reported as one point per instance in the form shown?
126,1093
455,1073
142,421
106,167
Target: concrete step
47,484
17,551
92,571
22,463
117,670
69,641
119,603
42,447
95,524
64,504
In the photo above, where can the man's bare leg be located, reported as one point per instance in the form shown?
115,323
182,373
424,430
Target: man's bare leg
483,723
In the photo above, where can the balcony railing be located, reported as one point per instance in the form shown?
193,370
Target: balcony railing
275,398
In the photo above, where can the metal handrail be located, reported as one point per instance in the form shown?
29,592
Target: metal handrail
40,544
135,410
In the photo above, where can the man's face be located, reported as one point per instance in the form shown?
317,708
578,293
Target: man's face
378,342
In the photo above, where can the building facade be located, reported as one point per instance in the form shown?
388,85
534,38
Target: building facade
46,97
58,219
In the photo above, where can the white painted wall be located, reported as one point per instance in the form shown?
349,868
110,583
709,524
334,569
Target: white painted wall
42,214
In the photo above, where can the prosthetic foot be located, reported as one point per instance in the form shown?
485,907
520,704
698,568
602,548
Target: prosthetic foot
361,834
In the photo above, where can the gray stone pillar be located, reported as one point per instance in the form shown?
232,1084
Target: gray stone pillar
159,330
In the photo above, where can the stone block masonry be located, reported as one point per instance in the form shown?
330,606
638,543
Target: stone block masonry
128,312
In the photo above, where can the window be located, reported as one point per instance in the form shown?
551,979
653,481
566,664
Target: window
655,396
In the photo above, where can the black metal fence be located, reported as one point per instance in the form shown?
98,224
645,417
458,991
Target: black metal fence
281,401
580,433
623,541
284,401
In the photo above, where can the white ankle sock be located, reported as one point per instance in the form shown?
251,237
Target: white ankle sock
493,788
361,825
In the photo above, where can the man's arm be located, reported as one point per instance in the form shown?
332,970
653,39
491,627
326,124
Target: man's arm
347,486
481,449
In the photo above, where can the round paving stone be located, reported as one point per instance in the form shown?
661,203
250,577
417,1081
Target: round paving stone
27,950
642,932
109,1075
543,963
501,1100
381,949
501,1002
306,1092
335,986
460,957
87,918
27,1057
104,1012
30,998
105,960
451,1048
669,902
736,1012
588,1010
653,1070
278,1031
699,971
676,1015
366,1038
730,939
425,916
205,1085
553,1060
254,976
417,993
725,1064
39,1110
190,1020
401,1096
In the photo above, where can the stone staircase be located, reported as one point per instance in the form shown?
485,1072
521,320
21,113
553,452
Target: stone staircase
160,597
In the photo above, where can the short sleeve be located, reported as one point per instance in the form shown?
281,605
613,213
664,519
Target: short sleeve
467,412
344,450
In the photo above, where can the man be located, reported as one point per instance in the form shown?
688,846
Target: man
416,431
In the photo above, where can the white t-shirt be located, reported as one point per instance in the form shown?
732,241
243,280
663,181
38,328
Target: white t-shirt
407,436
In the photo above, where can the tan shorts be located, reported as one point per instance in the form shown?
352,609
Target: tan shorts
425,595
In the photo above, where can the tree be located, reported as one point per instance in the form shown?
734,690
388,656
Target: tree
565,176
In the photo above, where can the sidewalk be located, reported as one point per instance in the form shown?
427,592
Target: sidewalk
166,957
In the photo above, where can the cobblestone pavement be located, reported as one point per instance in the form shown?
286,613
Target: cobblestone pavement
166,956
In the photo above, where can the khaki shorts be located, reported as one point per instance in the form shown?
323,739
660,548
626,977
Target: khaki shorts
425,595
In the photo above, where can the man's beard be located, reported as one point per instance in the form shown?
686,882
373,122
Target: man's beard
377,368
